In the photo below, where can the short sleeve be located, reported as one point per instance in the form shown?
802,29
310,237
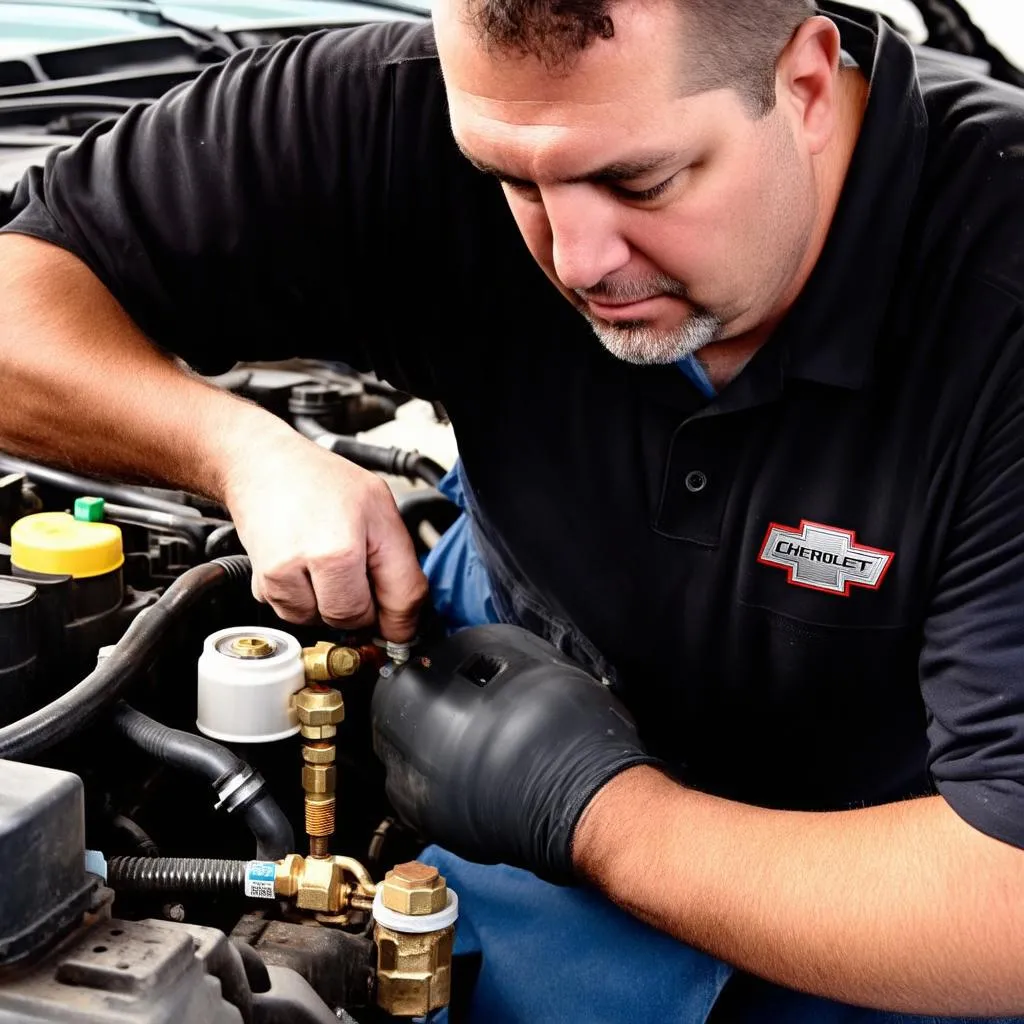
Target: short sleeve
246,214
972,662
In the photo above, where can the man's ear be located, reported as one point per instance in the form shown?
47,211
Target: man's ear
806,77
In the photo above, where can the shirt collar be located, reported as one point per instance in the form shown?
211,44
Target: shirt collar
830,334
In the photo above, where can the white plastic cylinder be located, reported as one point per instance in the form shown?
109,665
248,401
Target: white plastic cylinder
248,699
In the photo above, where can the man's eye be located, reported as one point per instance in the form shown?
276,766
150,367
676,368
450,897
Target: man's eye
644,195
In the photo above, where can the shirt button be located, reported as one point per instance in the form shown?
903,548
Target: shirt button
696,481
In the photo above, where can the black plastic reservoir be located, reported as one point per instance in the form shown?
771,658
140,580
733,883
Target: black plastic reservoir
19,647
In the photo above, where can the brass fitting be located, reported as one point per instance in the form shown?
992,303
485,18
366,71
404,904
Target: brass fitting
251,647
319,708
318,883
413,971
326,661
319,705
320,886
318,778
414,888
321,753
289,872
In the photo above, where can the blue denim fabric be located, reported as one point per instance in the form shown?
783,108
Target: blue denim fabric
556,955
459,587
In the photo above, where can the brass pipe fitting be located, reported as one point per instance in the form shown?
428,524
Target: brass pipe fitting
326,661
413,968
319,883
319,709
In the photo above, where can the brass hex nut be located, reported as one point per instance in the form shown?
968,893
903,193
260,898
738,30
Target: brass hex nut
413,971
319,885
414,888
318,778
319,707
319,755
319,733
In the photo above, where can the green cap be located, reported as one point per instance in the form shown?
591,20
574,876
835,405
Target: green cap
89,510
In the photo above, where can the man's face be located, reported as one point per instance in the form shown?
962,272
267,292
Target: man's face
670,221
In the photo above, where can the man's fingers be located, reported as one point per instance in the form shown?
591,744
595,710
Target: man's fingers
398,581
289,591
342,590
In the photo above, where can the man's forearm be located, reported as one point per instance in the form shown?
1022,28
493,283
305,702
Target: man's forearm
902,907
84,388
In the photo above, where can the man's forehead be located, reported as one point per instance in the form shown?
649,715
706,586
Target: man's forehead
640,59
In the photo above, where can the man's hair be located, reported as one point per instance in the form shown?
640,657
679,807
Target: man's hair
734,43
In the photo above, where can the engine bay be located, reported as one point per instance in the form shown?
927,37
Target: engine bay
191,814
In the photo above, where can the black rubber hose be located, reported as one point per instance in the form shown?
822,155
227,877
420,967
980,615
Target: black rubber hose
81,485
131,657
240,789
396,461
142,840
222,537
193,529
176,875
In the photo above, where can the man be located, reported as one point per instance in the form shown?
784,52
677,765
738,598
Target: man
803,578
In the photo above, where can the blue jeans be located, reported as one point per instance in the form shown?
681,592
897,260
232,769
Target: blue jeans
554,955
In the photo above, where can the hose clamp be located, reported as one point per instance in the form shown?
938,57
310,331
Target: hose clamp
239,790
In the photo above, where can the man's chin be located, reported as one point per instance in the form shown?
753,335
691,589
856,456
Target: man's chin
642,343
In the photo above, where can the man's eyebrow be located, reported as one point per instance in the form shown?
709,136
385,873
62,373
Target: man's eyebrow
619,170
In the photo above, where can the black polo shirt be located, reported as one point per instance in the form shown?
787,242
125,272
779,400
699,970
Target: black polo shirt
810,591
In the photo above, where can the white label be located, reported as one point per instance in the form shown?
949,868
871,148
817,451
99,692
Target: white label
259,879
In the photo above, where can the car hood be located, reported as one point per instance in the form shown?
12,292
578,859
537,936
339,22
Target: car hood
34,27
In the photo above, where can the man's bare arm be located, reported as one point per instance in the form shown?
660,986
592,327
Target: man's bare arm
85,389
902,907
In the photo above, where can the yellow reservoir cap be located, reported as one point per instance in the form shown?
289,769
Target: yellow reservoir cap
60,545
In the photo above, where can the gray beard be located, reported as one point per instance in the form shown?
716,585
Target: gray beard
635,341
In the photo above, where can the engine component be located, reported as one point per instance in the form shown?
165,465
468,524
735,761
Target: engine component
414,916
75,565
326,661
328,886
154,972
74,484
338,964
177,874
247,675
19,644
46,889
312,406
239,788
58,544
319,710
131,656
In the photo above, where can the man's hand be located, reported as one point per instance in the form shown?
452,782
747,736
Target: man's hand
494,745
325,536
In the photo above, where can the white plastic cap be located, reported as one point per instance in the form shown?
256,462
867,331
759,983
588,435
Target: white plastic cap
246,699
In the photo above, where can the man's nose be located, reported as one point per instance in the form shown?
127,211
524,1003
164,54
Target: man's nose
586,245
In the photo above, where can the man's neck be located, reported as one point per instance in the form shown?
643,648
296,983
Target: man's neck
724,360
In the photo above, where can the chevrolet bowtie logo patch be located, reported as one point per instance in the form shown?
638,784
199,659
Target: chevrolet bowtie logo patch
824,558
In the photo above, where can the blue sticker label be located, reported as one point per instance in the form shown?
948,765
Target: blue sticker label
259,879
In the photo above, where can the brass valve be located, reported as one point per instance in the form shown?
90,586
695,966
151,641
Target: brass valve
319,709
413,967
326,661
